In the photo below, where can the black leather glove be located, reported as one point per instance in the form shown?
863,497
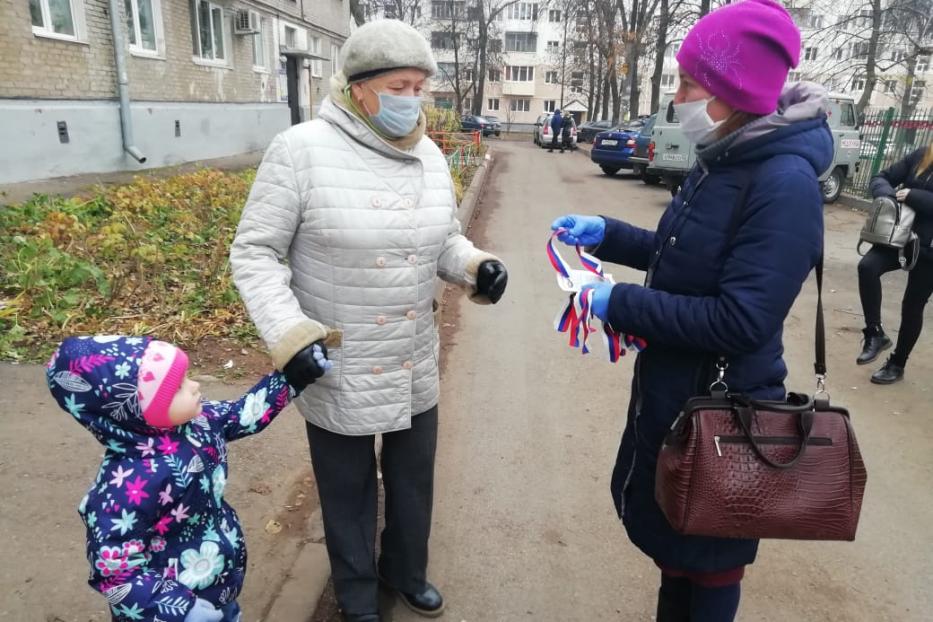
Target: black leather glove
491,279
307,366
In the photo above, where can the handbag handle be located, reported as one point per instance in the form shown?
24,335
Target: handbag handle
744,413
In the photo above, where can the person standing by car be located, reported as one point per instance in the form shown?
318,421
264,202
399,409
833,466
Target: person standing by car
914,177
556,124
724,267
360,204
566,134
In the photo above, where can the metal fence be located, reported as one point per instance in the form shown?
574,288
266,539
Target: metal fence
887,136
462,149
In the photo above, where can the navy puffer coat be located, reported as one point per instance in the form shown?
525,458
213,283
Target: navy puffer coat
708,296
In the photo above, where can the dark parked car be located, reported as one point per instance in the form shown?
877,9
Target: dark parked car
496,125
641,159
588,131
614,149
472,123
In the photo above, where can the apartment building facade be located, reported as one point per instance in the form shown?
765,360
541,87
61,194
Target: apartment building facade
204,79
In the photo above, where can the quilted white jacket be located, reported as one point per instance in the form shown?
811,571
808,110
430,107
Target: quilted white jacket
365,229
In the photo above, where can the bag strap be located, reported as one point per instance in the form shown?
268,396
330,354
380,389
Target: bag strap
744,414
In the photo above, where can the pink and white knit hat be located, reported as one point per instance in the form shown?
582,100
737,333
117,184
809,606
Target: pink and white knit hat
161,373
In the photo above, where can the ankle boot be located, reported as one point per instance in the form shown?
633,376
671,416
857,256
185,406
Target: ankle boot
889,374
874,344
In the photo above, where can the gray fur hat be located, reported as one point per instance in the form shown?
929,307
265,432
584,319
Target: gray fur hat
384,45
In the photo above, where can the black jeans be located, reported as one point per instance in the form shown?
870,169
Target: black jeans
345,470
555,139
881,260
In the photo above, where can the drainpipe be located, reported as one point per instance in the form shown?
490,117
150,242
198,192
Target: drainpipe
123,82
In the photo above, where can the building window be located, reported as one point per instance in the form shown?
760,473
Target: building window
143,25
467,105
495,75
864,18
916,93
550,77
521,42
810,53
923,63
493,104
59,19
447,70
553,15
389,11
858,83
259,46
317,65
446,10
860,49
668,80
890,86
814,21
672,50
793,76
443,41
839,53
210,29
443,102
523,11
553,47
519,74
334,59
550,105
291,37
520,105
898,56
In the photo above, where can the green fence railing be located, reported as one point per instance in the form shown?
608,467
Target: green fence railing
887,136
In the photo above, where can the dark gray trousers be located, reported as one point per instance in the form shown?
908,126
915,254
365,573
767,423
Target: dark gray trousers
345,470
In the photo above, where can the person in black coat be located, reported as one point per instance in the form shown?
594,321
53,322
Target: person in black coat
914,177
566,139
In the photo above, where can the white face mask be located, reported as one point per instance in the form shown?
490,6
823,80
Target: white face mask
695,121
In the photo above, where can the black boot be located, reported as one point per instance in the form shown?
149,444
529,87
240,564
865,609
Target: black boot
428,602
874,344
889,374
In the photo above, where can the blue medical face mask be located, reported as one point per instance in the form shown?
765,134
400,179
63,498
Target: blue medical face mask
398,114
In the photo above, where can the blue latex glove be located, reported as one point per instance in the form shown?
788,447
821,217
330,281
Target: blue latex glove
204,611
582,230
600,304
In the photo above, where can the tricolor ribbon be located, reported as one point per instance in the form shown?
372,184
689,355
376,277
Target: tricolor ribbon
576,318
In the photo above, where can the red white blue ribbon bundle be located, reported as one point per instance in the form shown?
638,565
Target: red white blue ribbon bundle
576,319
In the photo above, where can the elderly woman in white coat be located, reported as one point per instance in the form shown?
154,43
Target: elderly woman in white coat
361,205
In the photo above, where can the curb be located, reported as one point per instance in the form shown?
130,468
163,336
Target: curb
468,207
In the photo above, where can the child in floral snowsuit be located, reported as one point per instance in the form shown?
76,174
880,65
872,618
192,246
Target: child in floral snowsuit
162,542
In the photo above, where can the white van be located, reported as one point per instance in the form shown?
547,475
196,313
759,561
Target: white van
673,156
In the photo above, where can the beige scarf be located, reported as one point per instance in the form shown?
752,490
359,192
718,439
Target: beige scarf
341,97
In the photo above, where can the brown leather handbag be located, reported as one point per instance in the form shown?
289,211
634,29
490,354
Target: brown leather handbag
734,467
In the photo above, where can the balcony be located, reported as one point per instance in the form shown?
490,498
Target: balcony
524,89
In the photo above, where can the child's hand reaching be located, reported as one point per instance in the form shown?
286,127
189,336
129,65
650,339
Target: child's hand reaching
204,611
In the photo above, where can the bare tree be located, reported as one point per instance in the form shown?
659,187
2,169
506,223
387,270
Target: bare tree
485,14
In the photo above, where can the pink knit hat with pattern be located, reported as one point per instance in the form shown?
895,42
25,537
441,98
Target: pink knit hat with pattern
742,52
161,373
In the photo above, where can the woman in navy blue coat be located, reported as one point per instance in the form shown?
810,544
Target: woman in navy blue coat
724,267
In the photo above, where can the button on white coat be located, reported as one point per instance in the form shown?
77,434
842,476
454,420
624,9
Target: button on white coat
377,202
380,320
381,262
412,259
411,315
408,203
377,370
407,365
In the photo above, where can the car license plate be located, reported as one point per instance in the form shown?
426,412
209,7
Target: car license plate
609,143
674,157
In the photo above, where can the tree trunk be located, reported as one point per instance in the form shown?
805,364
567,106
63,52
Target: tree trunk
356,11
704,7
907,107
616,96
482,40
634,82
659,52
605,108
870,66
